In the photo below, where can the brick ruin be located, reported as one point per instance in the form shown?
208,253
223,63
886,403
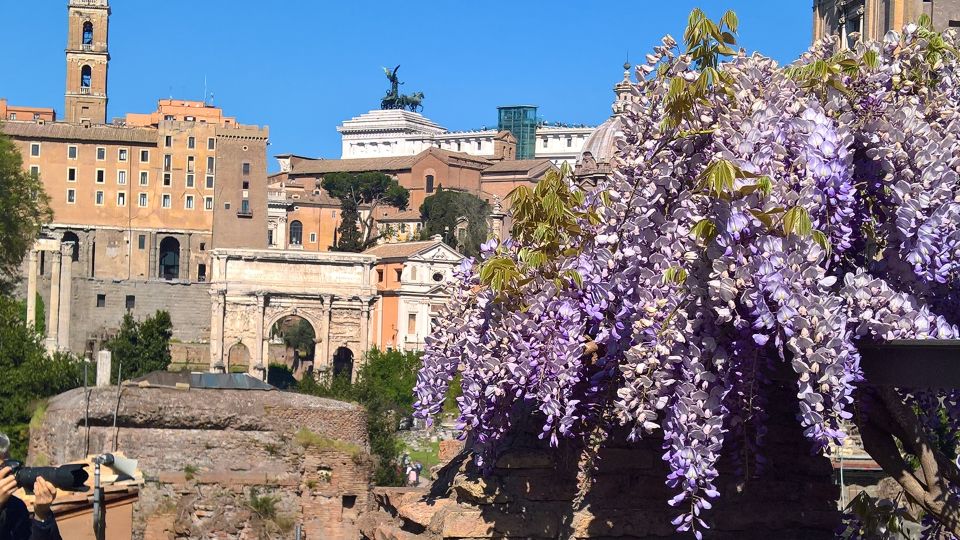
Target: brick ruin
532,489
225,464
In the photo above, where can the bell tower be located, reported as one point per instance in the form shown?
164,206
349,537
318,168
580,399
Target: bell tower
87,60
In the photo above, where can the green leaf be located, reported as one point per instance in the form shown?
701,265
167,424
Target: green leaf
704,231
821,239
797,221
675,275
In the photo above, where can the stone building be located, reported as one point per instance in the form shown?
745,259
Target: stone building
141,201
395,133
411,280
871,19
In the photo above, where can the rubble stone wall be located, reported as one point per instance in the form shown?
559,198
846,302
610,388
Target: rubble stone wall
532,489
225,464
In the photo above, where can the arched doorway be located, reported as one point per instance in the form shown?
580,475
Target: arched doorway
293,343
238,358
75,251
343,363
169,258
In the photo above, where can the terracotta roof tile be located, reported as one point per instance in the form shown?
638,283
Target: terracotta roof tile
76,132
517,166
402,249
384,164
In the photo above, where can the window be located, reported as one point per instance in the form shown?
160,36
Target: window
296,233
569,142
954,24
203,246
86,75
166,200
208,203
122,177
87,33
190,119
35,149
189,180
99,198
399,274
144,178
168,141
71,196
429,183
191,142
270,237
130,302
209,182
72,174
210,164
190,162
34,170
188,202
246,168
142,201
166,179
167,162
245,207
201,272
169,117
379,276
121,199
458,146
144,156
122,154
413,273
142,241
412,323
101,300
211,144
438,277
545,142
313,238
478,145
101,176
71,152
101,153
246,185
13,116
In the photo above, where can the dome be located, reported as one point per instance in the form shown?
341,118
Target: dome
600,147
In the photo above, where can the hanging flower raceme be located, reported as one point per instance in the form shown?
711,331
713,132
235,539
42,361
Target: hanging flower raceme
756,216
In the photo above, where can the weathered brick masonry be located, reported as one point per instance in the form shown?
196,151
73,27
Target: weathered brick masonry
531,491
207,453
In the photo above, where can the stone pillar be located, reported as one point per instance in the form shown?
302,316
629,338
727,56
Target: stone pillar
32,287
258,363
53,321
217,362
104,367
324,359
66,295
282,232
496,220
364,327
153,272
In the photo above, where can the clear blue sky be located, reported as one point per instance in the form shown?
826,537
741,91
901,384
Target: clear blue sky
303,66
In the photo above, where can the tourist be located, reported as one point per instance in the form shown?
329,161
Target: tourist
15,520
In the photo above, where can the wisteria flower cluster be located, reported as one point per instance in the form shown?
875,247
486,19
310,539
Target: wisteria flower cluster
757,216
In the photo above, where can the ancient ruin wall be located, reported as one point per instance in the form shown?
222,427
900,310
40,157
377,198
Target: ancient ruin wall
206,453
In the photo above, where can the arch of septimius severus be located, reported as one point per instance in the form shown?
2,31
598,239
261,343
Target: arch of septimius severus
254,289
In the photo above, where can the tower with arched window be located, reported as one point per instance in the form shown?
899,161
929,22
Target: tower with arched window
87,61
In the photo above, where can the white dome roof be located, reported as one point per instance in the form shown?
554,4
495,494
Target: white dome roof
602,143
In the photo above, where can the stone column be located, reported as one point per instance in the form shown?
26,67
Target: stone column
258,364
32,288
66,295
53,321
217,362
364,327
153,271
324,359
104,366
282,232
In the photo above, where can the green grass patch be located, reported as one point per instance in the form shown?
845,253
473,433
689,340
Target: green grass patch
309,439
428,456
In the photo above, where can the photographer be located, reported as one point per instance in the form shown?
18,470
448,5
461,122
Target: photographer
15,520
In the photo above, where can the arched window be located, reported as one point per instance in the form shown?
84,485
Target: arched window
296,233
429,183
70,237
169,258
88,33
86,75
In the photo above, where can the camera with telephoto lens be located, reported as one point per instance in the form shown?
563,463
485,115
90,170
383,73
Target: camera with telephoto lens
65,477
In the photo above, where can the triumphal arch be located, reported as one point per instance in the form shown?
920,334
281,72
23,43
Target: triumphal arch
254,290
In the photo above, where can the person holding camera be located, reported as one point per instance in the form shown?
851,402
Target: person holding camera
15,520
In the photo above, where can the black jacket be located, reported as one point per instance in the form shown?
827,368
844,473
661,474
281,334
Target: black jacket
16,524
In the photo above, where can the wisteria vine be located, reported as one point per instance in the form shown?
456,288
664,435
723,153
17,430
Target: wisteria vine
757,216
